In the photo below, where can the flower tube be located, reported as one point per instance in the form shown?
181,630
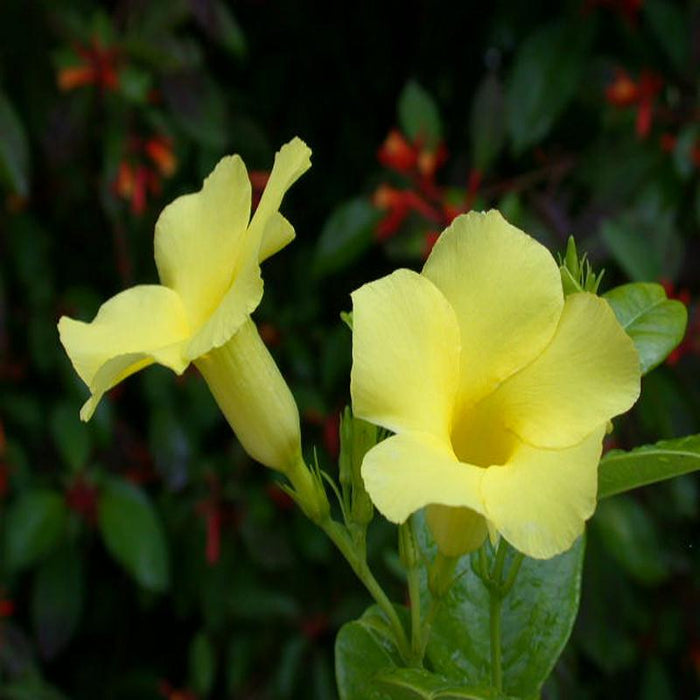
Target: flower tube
208,252
498,390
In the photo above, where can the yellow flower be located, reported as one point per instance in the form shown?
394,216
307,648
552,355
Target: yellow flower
208,253
498,388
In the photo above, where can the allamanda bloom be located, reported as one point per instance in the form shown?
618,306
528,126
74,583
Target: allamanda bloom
208,252
498,388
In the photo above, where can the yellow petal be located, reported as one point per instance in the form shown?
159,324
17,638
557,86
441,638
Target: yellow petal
254,398
410,471
277,234
541,499
588,374
506,291
199,239
405,354
240,300
291,162
137,327
456,531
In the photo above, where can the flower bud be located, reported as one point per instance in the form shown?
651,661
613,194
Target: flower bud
254,398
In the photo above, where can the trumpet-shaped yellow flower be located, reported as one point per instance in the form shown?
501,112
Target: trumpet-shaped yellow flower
208,252
498,388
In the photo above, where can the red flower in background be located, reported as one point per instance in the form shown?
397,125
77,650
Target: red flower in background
81,497
422,197
140,173
625,92
399,204
99,67
397,153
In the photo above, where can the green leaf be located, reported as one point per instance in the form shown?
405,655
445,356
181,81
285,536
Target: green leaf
14,150
672,28
655,323
346,235
621,471
536,621
132,533
419,117
57,599
418,684
71,436
364,648
629,536
198,107
644,240
35,523
135,84
544,79
202,665
487,127
219,23
228,31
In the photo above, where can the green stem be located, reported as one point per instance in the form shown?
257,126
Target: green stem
427,625
498,589
512,574
495,620
413,578
497,572
341,538
496,599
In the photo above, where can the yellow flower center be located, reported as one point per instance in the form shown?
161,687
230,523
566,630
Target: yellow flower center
479,437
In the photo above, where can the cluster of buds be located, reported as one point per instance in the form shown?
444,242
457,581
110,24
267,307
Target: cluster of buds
418,164
141,172
625,92
96,65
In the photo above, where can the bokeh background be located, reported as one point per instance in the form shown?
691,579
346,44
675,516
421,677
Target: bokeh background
144,555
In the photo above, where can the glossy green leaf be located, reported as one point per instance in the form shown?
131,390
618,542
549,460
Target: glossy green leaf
57,599
487,127
418,684
14,150
544,79
133,534
419,117
655,323
346,235
536,621
35,523
364,648
368,667
621,471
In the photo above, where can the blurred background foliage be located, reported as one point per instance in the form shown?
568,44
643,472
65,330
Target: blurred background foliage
144,555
